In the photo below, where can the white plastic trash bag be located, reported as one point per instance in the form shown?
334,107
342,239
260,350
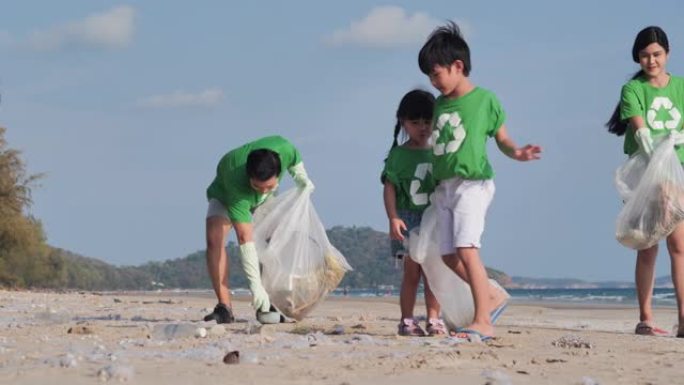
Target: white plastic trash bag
299,265
653,191
452,293
427,245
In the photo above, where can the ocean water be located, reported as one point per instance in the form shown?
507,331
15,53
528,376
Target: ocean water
616,296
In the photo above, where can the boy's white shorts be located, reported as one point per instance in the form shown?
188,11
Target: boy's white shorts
216,209
461,208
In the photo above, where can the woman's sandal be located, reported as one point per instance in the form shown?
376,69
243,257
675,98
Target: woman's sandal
645,329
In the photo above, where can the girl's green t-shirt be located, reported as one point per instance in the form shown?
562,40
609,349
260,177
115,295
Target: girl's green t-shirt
410,171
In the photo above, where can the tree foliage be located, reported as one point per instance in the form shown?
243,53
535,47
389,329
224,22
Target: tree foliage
23,255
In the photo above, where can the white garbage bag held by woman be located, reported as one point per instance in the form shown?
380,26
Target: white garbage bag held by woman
653,191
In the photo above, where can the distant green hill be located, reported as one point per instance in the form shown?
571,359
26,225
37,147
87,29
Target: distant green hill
366,250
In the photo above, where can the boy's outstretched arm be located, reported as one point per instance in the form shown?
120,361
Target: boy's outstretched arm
508,147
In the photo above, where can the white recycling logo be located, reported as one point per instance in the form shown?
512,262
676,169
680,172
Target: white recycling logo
663,102
421,172
454,120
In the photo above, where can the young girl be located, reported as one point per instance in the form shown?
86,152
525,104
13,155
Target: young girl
408,181
651,105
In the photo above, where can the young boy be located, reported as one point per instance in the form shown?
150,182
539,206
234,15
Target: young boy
465,116
245,177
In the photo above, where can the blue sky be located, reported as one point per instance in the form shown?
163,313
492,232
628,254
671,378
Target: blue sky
127,107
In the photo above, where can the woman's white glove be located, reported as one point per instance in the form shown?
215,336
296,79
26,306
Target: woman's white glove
300,177
250,264
644,140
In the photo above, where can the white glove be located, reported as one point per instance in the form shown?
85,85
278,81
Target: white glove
250,264
300,177
644,139
678,137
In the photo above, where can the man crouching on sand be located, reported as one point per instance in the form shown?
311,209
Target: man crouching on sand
245,177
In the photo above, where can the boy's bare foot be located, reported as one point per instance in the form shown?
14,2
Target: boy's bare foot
484,332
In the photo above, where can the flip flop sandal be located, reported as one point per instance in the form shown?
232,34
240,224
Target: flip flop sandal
496,313
644,329
472,335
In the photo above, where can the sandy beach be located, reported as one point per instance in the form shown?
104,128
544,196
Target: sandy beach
86,338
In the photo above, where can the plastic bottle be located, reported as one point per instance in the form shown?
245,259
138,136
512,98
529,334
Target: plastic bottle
178,330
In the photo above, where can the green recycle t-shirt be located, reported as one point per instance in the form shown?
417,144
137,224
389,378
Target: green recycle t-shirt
461,128
231,185
661,109
410,171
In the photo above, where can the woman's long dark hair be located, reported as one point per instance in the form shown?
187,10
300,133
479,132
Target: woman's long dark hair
645,37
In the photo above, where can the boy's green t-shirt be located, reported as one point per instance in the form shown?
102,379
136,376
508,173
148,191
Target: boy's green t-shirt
231,185
461,129
410,171
661,108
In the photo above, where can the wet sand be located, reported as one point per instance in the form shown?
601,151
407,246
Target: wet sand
86,338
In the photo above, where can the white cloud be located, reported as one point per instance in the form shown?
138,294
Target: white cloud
109,29
207,98
386,26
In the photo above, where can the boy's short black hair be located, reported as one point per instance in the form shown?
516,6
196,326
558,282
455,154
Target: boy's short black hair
263,164
444,46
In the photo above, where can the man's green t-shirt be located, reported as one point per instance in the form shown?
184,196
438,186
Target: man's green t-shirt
410,171
661,108
231,185
461,128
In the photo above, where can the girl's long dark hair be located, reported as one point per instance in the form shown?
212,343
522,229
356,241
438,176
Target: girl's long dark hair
645,37
416,104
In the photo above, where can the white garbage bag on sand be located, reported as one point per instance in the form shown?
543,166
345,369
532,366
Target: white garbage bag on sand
653,191
452,293
299,265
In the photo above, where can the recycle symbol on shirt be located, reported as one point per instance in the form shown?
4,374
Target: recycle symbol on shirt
420,198
663,115
459,134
